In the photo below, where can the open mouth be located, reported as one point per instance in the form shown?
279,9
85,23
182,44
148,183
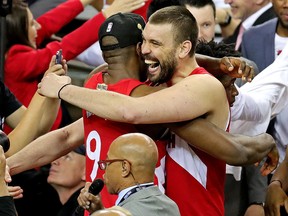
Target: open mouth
153,66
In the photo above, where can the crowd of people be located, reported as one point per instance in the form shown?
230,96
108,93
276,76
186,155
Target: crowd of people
173,121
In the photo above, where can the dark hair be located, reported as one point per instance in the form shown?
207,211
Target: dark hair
183,23
199,4
217,50
159,4
17,25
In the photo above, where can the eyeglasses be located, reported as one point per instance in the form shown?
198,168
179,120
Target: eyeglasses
104,163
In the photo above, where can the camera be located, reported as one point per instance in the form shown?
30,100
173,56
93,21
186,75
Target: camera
4,141
58,59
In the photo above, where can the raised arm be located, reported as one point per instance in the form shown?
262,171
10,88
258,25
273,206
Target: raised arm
33,123
172,104
38,118
47,148
234,149
233,66
276,196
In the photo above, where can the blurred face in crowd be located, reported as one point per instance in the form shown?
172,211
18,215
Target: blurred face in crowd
159,50
67,171
229,85
281,10
205,20
242,9
33,26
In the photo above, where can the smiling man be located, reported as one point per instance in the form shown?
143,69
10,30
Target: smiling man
169,41
170,53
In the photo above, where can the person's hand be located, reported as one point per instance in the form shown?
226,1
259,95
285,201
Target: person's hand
88,201
123,6
3,170
275,198
51,84
271,162
15,191
237,67
59,69
8,178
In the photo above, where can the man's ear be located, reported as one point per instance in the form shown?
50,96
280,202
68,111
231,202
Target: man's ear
138,48
126,168
185,48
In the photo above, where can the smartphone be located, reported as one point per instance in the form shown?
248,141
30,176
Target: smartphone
58,59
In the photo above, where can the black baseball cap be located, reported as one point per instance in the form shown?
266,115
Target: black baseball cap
125,27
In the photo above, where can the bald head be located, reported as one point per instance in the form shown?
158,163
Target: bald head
139,149
113,211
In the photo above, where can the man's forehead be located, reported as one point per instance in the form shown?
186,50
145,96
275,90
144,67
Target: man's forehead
152,30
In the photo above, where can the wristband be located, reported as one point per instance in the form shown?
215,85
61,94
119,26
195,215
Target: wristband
257,203
276,180
62,89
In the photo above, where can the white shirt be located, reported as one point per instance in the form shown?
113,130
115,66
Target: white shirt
247,23
92,55
260,100
123,192
281,133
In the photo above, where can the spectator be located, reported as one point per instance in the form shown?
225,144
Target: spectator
40,114
129,173
251,13
67,177
25,64
272,34
163,69
207,23
225,20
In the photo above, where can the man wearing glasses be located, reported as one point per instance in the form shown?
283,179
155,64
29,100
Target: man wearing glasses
129,172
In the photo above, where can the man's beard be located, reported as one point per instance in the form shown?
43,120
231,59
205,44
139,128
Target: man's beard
283,24
168,67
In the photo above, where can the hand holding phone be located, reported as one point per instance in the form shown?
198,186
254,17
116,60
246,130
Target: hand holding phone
58,59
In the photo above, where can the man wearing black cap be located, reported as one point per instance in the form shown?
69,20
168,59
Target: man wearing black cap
122,75
119,36
169,41
67,177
